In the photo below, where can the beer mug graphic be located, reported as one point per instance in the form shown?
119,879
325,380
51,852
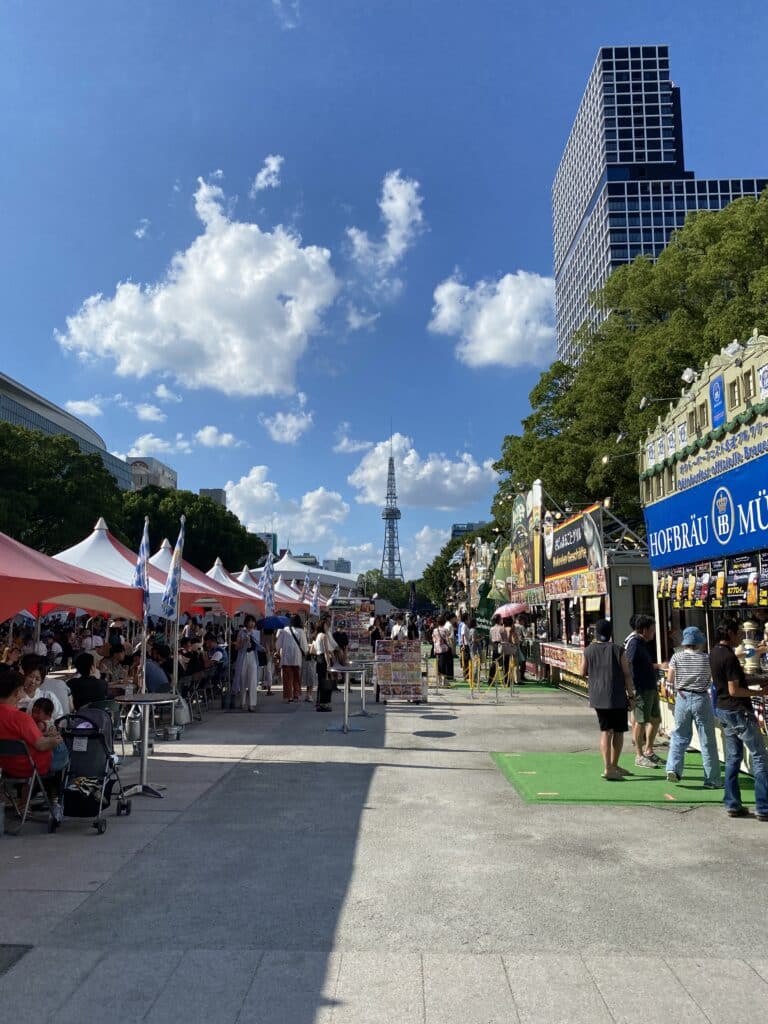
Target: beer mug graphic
720,585
752,588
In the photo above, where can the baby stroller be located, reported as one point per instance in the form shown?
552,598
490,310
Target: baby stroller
92,771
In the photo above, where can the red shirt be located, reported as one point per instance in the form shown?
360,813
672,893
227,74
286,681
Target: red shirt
18,725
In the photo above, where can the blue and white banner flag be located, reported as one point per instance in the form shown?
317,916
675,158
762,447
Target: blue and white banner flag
336,592
305,590
267,586
314,607
140,572
173,583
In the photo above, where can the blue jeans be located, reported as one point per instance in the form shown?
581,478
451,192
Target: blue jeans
690,708
741,730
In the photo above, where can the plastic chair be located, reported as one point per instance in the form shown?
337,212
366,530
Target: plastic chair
33,781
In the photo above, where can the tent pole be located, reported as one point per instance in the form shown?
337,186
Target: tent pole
38,625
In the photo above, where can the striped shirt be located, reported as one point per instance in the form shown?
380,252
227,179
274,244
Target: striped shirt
692,670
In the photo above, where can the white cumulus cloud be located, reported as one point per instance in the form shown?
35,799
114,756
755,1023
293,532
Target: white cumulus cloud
151,445
311,519
86,406
268,176
345,445
434,481
288,13
212,437
150,413
358,320
287,427
400,207
165,394
141,231
509,322
418,552
234,311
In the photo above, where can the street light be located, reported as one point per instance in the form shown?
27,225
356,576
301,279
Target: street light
610,458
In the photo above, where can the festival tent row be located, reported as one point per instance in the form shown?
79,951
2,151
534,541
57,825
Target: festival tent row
29,580
290,569
210,593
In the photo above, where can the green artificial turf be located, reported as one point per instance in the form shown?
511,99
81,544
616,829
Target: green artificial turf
576,779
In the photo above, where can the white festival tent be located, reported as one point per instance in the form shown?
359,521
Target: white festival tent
283,596
102,553
219,574
211,594
290,569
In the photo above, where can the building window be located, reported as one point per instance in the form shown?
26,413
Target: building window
692,424
704,414
749,385
734,394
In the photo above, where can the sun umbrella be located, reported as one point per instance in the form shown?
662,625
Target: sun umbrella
273,622
508,610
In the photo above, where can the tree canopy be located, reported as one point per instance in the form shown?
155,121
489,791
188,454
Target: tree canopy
709,286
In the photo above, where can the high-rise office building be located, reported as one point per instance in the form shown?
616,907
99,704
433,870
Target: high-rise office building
337,565
148,472
217,494
622,188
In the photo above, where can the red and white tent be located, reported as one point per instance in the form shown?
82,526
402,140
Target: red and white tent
29,579
102,553
209,592
253,603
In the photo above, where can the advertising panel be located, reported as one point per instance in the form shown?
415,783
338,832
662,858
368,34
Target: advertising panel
578,584
575,545
719,457
717,401
526,539
725,516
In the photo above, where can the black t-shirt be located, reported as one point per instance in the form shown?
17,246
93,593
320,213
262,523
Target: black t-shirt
725,665
85,689
641,663
607,687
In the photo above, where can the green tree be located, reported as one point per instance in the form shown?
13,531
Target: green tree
211,530
52,493
709,285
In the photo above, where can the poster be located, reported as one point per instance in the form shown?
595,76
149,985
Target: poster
678,586
397,670
526,539
762,594
354,621
742,580
717,586
701,590
575,545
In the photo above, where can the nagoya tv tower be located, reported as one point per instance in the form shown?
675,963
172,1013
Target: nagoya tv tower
391,567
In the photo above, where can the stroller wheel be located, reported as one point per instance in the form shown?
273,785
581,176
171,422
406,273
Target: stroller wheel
100,825
120,809
52,824
127,806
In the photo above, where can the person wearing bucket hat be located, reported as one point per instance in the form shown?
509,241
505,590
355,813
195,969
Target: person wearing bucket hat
690,678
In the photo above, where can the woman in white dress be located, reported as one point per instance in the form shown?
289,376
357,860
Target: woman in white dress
246,676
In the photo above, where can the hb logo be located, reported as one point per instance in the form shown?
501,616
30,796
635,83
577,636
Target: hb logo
723,518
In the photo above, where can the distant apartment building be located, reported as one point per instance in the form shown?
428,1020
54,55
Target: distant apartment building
148,472
461,529
25,408
307,559
337,565
217,494
622,188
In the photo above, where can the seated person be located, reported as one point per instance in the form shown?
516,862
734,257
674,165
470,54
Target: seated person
18,725
85,686
156,678
190,660
112,668
42,713
32,669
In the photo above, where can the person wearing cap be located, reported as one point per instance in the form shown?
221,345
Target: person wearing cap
690,677
611,692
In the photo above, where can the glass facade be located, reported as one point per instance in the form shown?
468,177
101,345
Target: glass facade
621,188
32,417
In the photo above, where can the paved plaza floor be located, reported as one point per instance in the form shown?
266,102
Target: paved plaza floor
297,876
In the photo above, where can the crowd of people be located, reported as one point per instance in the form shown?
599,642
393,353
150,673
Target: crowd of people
707,686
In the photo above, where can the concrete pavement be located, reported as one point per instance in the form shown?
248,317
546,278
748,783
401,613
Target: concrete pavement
298,876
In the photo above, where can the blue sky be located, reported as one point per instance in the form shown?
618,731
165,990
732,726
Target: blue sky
244,237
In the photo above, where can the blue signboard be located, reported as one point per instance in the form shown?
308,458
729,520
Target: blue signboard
727,515
717,401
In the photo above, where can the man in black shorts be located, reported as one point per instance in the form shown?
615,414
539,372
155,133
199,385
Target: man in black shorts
611,692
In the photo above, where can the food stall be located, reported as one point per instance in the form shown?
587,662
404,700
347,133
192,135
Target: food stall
595,567
704,486
525,582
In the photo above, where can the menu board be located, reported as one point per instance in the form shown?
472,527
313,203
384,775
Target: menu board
354,620
397,670
762,581
742,580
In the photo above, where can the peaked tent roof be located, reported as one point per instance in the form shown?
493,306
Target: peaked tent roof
253,602
291,569
102,553
29,578
209,592
283,596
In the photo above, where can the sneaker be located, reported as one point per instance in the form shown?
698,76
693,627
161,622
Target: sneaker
612,775
673,777
653,757
644,762
58,814
740,812
762,817
622,771
713,785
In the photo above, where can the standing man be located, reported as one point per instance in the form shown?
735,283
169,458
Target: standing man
463,641
611,693
647,710
740,728
450,635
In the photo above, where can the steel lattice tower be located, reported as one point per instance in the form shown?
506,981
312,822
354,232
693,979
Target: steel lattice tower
391,566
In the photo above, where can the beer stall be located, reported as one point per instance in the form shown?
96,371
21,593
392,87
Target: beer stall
525,582
704,487
595,567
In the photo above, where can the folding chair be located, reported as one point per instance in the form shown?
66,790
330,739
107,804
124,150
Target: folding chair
33,782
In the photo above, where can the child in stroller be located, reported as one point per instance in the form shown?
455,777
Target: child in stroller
92,771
